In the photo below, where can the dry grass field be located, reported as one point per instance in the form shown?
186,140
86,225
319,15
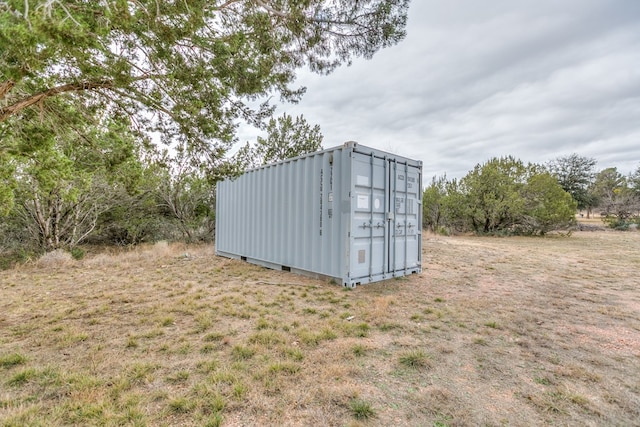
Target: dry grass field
496,331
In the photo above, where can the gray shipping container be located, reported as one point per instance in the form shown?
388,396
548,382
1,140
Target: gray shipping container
351,213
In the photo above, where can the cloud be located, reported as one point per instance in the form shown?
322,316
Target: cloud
475,80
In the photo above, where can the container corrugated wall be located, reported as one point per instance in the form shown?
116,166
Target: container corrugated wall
351,213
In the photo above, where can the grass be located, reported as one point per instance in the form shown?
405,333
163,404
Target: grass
359,350
181,405
414,359
13,359
361,410
240,352
21,377
508,331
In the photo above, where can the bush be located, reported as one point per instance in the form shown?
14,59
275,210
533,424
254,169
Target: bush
77,253
501,197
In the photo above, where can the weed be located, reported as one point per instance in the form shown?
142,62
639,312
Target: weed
361,409
359,330
240,352
167,321
542,380
283,367
327,334
239,390
294,353
554,401
20,378
178,377
492,325
439,300
314,338
153,333
181,405
266,338
13,359
224,377
386,327
141,372
214,421
184,349
207,366
82,413
214,336
71,337
216,403
578,399
204,321
358,350
77,253
415,359
132,342
262,324
442,422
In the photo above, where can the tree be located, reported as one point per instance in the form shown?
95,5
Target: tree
547,205
134,215
285,139
186,195
432,203
6,184
186,70
619,201
455,208
63,183
503,196
493,193
634,181
575,174
608,186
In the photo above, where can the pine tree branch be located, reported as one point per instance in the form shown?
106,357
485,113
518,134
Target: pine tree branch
16,107
5,87
271,9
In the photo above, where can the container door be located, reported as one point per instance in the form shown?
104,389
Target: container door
368,225
404,217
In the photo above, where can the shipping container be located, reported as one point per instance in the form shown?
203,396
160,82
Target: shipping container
349,213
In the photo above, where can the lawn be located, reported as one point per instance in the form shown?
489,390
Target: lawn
495,331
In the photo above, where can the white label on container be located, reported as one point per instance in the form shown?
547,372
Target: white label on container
376,203
363,202
330,197
362,180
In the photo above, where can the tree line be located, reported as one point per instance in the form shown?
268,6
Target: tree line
506,196
120,192
116,117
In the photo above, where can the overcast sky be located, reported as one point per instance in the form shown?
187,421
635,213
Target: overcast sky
536,79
